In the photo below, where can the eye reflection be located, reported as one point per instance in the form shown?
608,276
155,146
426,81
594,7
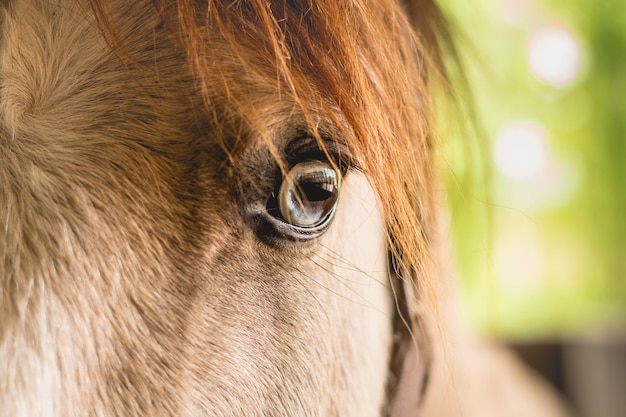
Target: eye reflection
308,195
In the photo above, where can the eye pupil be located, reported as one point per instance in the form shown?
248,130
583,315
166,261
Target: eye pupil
316,192
308,195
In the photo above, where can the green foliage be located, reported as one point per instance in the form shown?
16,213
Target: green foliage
541,254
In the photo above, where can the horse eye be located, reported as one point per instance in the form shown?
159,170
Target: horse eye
308,195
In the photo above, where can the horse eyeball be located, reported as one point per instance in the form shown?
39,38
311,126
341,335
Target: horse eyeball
308,194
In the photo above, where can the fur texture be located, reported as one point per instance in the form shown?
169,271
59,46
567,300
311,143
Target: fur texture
139,143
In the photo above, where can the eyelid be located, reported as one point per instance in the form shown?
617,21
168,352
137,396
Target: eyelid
308,148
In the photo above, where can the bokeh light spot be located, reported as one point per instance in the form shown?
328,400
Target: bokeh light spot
520,150
554,55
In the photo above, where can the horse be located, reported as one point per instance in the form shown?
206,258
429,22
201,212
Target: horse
220,208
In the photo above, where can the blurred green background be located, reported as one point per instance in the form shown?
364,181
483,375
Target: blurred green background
537,197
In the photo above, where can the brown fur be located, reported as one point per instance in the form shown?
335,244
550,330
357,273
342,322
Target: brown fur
132,283
136,138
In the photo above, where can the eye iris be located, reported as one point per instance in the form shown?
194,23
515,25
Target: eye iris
308,194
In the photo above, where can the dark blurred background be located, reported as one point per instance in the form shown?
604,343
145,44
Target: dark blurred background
537,187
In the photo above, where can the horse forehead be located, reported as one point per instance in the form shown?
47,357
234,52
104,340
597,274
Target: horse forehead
136,84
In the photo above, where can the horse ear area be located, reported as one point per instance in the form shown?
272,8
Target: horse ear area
432,27
411,355
427,19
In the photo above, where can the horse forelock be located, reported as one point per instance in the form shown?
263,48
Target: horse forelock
368,79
